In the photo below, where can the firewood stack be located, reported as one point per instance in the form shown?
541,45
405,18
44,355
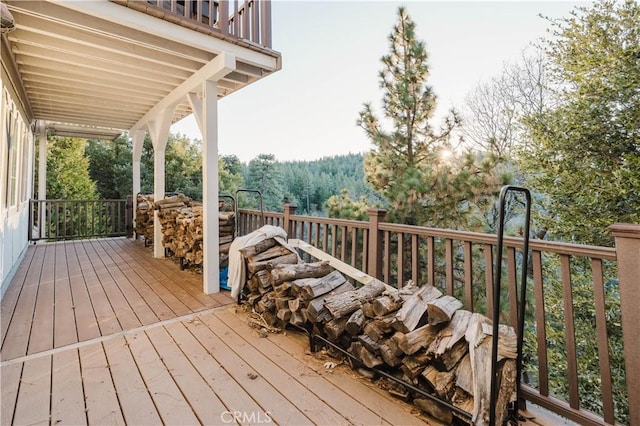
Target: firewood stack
144,216
182,233
416,334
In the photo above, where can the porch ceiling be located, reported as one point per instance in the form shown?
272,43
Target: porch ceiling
100,64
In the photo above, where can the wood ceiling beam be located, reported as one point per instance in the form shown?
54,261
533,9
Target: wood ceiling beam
80,103
37,89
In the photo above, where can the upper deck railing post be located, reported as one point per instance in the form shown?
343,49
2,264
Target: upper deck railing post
289,209
374,266
627,238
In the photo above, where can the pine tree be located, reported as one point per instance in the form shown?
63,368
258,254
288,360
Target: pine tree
413,165
68,170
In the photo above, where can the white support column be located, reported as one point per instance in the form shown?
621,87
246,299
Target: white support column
159,130
42,174
211,231
138,141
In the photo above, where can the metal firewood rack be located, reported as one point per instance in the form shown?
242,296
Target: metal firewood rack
315,339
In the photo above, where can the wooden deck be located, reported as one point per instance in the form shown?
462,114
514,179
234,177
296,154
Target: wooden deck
99,332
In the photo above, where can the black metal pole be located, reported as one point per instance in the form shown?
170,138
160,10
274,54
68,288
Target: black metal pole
496,300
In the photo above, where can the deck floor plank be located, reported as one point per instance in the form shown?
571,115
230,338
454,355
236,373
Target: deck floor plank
107,320
203,400
64,331
12,294
33,405
232,395
67,394
41,336
137,405
16,339
86,321
10,378
290,378
171,404
139,305
247,377
121,307
158,272
102,402
347,405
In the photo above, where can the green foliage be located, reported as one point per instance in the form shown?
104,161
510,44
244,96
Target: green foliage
229,176
585,154
264,174
412,165
344,207
68,170
183,166
110,167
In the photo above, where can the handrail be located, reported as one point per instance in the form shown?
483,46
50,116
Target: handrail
58,219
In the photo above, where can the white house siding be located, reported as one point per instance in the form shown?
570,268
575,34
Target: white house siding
16,177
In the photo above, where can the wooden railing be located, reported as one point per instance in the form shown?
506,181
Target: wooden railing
562,277
248,19
55,220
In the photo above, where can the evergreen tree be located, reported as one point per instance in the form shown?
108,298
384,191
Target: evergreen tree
264,175
412,165
585,154
110,166
68,170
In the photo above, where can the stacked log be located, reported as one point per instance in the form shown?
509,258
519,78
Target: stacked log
416,334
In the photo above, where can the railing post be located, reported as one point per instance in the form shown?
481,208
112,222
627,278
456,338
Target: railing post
627,237
289,209
374,264
128,216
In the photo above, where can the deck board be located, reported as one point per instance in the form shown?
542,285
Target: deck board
86,321
10,298
102,403
65,331
33,404
67,394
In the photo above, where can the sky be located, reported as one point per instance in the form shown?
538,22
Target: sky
331,54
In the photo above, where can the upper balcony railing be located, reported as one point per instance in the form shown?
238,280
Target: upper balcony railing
248,20
574,345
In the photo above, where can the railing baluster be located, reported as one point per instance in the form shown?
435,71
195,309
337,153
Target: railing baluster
334,240
325,237
386,265
569,331
431,259
488,278
468,276
354,247
415,259
400,262
343,245
541,332
365,252
512,277
603,340
448,244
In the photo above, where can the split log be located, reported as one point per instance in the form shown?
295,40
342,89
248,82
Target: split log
322,285
316,310
371,345
258,248
284,314
390,352
419,338
282,273
414,308
368,358
270,253
442,309
347,303
434,409
414,364
464,376
297,319
355,322
335,328
377,328
441,382
480,346
294,305
462,400
367,310
288,259
386,304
